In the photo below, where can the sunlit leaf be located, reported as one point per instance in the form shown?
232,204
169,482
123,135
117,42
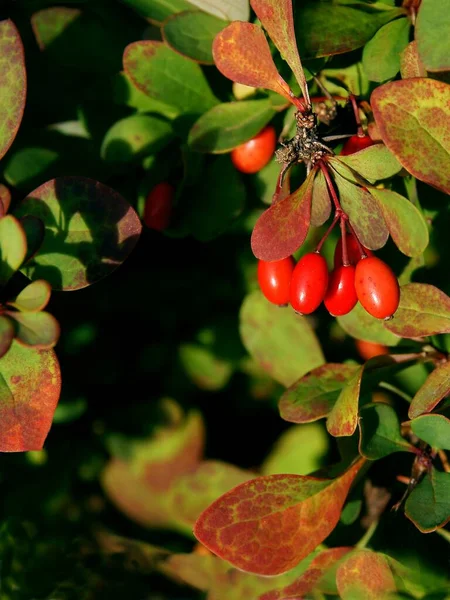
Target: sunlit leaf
37,329
410,62
362,326
283,343
30,384
34,297
381,54
433,429
321,203
13,247
373,163
436,387
233,10
413,117
431,29
158,10
380,432
7,332
365,574
423,310
428,505
89,231
283,227
268,525
12,84
314,395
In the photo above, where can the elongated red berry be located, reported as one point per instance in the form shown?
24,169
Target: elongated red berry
158,206
341,298
353,251
356,143
252,156
309,283
377,287
274,279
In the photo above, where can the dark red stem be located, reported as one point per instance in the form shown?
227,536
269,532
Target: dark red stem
352,99
360,246
327,233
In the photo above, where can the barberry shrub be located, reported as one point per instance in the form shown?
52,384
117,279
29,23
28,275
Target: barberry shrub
336,249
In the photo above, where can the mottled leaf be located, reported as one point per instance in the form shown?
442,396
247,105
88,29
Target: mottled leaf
233,10
89,231
5,198
158,10
381,54
164,75
321,203
314,395
423,310
373,163
34,230
13,84
7,333
268,525
207,371
38,329
413,118
433,429
191,33
343,417
283,343
362,326
34,297
380,432
227,125
410,63
428,505
30,384
436,387
241,53
365,574
406,224
433,43
13,247
283,227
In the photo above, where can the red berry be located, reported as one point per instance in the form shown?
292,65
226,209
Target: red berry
252,156
377,287
368,350
353,252
274,279
158,206
356,143
341,298
309,283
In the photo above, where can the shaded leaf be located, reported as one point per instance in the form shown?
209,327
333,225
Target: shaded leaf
381,54
89,231
206,370
13,247
38,329
373,163
241,53
164,75
125,92
158,10
321,203
365,574
433,429
34,230
283,227
13,84
268,525
233,10
423,310
5,198
362,326
191,33
410,62
380,432
428,505
436,387
413,117
406,224
7,333
34,297
431,28
230,124
314,395
283,343
30,384
26,165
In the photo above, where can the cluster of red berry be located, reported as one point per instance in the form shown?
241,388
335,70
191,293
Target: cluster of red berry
306,284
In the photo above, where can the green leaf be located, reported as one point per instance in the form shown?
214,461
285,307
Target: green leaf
206,370
30,384
34,230
134,137
158,10
433,44
362,326
343,417
410,63
423,310
89,231
283,343
413,118
314,395
406,224
243,526
230,124
433,429
164,75
373,163
13,84
38,329
380,432
25,165
34,297
321,203
13,247
7,333
381,55
436,387
192,33
232,10
428,505
125,92
265,180
283,227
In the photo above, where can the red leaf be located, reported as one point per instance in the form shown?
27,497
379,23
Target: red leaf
436,387
242,54
283,227
268,525
365,574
